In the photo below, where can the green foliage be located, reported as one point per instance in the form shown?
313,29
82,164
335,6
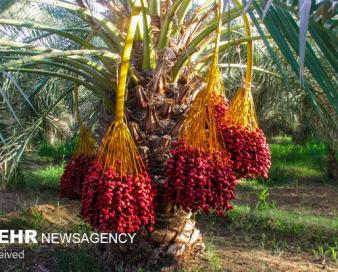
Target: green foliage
57,151
75,260
47,178
279,228
215,262
333,252
17,179
28,219
326,252
262,200
5,4
283,27
81,228
288,151
291,162
284,223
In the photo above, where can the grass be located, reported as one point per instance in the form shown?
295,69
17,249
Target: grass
56,258
290,163
57,151
215,262
284,224
28,219
293,162
280,223
44,179
47,166
275,230
282,229
78,259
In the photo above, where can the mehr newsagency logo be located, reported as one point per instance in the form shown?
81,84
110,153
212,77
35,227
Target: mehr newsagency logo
32,237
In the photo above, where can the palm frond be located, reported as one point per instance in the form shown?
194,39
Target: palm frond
6,4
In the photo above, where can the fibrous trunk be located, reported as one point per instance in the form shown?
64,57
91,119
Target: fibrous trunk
175,235
174,238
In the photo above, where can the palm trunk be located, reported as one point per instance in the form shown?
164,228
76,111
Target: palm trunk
175,236
174,239
175,233
152,119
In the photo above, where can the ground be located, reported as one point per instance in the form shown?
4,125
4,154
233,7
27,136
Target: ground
287,223
314,199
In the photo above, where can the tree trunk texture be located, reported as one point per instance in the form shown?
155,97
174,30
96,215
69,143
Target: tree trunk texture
176,236
174,239
154,111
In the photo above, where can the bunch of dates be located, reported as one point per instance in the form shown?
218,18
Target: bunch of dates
248,149
199,181
118,203
74,174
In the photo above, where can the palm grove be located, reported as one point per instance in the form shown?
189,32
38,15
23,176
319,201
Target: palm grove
148,84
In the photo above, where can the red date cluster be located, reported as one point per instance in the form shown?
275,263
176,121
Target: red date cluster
249,151
222,107
73,177
111,202
198,181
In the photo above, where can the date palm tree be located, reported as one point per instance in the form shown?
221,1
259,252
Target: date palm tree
78,44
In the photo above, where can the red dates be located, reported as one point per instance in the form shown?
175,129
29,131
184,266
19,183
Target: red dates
111,202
